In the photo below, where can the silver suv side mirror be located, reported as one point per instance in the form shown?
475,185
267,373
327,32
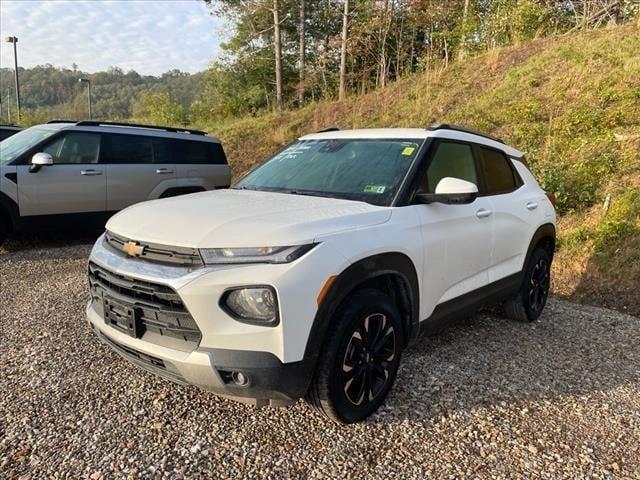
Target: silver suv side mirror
39,160
450,190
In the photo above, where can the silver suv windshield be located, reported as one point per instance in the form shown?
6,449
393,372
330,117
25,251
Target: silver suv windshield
368,170
12,147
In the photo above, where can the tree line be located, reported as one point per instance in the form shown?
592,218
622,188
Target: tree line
284,53
49,92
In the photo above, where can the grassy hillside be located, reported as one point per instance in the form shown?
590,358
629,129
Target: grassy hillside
572,103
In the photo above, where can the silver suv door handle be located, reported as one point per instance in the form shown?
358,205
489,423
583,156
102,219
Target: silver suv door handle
532,205
162,171
90,172
483,213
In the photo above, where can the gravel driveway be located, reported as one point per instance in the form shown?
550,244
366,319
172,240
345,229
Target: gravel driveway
559,398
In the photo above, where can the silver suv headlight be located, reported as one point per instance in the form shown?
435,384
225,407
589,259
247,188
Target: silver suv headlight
216,256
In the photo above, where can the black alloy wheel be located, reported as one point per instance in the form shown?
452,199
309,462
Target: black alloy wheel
368,359
360,357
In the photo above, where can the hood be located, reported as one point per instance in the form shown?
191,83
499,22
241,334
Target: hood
242,218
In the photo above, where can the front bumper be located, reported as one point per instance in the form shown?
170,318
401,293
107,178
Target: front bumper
270,359
268,380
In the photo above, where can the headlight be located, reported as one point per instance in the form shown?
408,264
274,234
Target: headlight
255,305
214,256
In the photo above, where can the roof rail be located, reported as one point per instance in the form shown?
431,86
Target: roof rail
458,128
62,121
96,123
9,125
328,129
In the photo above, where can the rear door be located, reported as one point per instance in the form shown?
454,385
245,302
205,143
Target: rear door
132,173
75,183
201,164
515,212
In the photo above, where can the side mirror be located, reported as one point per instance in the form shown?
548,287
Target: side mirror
39,160
452,191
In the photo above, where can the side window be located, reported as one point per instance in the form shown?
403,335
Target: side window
497,173
194,152
162,151
75,148
127,149
450,160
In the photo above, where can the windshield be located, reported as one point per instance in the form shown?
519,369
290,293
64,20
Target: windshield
369,170
15,145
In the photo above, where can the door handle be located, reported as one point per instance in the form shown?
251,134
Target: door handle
532,205
162,171
90,173
483,213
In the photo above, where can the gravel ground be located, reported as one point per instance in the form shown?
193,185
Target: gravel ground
490,398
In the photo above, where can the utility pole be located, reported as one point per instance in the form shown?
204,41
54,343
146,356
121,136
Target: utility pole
14,40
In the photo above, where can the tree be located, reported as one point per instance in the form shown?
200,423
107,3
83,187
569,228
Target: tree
343,51
278,55
301,32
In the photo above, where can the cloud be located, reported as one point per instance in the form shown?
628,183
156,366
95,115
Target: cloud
149,36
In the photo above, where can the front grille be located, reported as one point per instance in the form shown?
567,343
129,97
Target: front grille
156,253
136,307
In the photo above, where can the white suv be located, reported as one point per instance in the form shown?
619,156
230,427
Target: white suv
312,274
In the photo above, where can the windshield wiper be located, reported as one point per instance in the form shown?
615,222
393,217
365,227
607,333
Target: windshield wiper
310,193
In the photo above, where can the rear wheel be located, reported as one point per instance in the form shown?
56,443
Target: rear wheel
528,304
360,359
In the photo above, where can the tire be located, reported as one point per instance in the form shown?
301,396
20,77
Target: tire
528,303
3,229
353,377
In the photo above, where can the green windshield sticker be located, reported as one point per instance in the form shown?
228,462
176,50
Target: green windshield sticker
408,151
374,188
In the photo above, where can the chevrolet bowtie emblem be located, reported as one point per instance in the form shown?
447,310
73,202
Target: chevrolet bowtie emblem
132,249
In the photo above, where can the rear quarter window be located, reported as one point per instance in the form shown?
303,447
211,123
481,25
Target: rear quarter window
498,173
194,152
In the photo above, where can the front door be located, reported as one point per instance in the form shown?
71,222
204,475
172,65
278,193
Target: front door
75,183
457,238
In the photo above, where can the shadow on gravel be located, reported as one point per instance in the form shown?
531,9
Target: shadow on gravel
23,242
492,361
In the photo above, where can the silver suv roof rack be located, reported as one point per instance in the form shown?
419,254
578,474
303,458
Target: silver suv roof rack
95,123
458,128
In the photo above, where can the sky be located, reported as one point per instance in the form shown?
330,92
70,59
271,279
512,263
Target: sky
149,36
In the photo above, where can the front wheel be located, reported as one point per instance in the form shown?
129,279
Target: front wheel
528,303
3,229
360,359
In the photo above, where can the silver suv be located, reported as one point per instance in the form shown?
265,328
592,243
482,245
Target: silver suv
64,173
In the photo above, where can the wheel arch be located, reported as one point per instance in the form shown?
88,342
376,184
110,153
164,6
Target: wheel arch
176,191
9,211
394,273
545,235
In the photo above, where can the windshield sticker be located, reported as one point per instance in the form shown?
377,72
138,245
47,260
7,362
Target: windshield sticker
408,151
374,189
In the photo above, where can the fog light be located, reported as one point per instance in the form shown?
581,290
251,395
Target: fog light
239,378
